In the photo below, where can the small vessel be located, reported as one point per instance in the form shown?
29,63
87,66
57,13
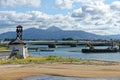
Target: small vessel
49,50
41,49
91,49
99,50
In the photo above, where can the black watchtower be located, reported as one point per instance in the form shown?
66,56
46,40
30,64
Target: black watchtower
19,32
17,46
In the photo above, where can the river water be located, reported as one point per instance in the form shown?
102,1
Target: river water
65,51
65,78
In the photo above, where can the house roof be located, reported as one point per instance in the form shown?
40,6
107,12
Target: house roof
17,41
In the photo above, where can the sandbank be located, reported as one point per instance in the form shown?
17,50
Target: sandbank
19,71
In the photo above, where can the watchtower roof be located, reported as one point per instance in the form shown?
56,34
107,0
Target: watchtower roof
17,42
18,39
19,26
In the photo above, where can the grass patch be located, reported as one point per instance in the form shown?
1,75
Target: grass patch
50,59
2,47
53,59
61,59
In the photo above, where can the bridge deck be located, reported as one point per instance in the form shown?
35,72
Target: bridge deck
61,42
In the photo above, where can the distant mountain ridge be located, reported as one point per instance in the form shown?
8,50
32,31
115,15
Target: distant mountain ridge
53,28
55,33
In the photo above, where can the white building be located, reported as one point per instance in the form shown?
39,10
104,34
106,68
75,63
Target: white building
17,46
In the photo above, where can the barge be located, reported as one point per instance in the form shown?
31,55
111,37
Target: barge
91,49
107,50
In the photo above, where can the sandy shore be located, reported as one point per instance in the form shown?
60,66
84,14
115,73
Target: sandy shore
15,72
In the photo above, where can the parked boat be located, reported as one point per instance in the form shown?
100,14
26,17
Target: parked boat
91,49
99,50
49,50
41,49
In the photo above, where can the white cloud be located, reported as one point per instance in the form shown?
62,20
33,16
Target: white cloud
32,19
97,17
115,5
15,3
64,4
93,16
68,4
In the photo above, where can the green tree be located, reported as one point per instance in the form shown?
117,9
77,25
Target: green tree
69,38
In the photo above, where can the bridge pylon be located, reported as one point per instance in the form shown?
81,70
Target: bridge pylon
53,45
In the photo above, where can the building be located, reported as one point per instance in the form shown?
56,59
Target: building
17,46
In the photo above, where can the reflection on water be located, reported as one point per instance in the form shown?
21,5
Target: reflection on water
66,78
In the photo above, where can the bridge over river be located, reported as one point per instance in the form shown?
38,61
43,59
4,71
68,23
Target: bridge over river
72,43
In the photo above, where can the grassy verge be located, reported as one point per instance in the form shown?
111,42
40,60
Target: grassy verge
50,59
54,59
2,47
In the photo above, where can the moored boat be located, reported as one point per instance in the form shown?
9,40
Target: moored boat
91,49
49,50
99,50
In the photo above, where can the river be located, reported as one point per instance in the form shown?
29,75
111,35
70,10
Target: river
65,78
65,51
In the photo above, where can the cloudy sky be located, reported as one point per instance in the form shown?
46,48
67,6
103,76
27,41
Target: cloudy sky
95,16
